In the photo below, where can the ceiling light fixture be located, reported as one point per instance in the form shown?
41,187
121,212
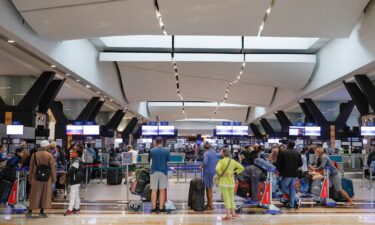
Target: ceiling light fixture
78,80
162,26
67,74
11,41
237,79
88,86
53,66
98,92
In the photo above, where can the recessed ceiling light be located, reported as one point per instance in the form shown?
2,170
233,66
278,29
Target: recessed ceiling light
67,74
105,96
11,41
111,100
78,80
98,92
53,66
88,86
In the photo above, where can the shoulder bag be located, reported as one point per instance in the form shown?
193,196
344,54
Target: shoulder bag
42,172
217,177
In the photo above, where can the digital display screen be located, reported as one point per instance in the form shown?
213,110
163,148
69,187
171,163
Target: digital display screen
166,130
91,130
74,130
367,131
240,130
274,141
118,140
223,130
149,130
296,131
312,131
14,129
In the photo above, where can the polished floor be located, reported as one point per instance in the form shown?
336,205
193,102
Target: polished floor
198,219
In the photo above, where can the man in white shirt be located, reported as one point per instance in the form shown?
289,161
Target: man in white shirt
134,160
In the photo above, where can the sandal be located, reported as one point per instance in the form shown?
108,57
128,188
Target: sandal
225,218
235,216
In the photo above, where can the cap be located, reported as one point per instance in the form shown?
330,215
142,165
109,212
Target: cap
44,144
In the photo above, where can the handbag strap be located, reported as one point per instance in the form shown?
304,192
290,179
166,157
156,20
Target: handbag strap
226,168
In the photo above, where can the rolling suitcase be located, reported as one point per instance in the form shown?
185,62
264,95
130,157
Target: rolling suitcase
264,165
347,186
316,187
196,195
114,176
242,188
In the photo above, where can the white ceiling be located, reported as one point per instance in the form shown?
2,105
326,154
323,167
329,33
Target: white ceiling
61,20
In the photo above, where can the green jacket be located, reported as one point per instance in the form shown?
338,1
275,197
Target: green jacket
227,180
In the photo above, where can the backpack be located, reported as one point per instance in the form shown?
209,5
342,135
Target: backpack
42,172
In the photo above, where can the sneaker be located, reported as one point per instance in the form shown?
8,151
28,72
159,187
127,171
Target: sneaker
76,211
154,211
291,208
43,215
163,211
68,213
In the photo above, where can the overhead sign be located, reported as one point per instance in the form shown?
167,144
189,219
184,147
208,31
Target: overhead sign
164,123
226,123
237,123
153,123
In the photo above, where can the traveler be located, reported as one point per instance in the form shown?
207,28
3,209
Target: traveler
75,178
60,156
3,156
288,164
274,153
248,156
371,157
8,174
334,175
133,167
209,171
53,149
159,174
226,168
89,155
42,175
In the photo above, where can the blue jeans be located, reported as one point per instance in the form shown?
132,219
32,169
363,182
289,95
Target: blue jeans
288,186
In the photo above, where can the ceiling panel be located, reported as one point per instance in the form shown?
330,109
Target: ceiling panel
23,5
95,20
213,17
313,18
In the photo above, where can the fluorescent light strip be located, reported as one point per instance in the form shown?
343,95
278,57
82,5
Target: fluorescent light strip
162,26
268,12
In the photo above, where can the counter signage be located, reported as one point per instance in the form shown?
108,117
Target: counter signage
153,123
226,123
237,123
126,158
164,123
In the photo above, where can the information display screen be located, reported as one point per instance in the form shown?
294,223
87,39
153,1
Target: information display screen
223,130
14,129
296,131
312,131
74,130
166,130
91,130
240,130
274,141
149,130
367,131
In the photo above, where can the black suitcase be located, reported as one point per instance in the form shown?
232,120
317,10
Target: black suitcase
196,195
5,189
114,176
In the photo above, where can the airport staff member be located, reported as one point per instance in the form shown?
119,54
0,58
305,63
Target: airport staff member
159,174
334,176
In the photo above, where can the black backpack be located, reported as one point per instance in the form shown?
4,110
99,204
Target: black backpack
42,172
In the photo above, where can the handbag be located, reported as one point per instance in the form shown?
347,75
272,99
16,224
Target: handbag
42,172
217,177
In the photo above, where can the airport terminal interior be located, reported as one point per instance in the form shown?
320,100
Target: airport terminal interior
187,112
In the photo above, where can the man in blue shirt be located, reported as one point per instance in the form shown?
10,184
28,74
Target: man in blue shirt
209,171
159,174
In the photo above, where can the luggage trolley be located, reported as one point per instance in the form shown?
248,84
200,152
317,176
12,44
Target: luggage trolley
324,198
266,199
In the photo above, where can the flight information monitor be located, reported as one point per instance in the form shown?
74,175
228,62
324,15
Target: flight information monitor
149,130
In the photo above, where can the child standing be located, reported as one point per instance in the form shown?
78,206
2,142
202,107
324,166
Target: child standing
75,178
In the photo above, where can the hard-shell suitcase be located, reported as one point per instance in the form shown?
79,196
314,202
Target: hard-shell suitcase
347,186
196,195
114,176
264,165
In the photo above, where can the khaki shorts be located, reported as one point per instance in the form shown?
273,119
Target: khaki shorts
158,181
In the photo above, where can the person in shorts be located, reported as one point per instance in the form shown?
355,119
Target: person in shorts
334,175
159,157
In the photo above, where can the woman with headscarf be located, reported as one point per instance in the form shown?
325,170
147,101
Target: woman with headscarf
41,180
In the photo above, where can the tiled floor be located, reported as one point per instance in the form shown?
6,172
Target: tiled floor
111,219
